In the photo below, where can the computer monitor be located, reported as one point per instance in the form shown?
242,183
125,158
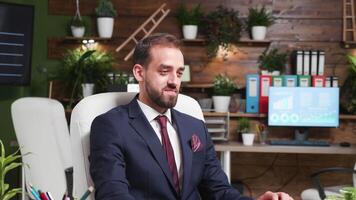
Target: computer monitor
16,34
303,107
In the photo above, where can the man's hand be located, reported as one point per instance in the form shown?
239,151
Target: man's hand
275,196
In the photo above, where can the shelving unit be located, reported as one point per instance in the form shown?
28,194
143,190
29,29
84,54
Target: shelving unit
218,126
243,41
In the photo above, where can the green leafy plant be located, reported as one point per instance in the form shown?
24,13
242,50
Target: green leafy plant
105,9
272,60
244,125
8,163
348,89
77,22
258,17
347,193
121,79
189,17
80,66
223,85
222,27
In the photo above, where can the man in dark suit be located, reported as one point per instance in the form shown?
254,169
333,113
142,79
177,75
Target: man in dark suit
146,149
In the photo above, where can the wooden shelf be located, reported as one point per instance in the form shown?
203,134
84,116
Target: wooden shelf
96,38
348,44
257,115
243,41
352,117
238,114
197,85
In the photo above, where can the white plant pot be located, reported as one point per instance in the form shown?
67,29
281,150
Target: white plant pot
265,72
190,31
105,26
77,31
247,138
221,103
259,32
276,73
88,89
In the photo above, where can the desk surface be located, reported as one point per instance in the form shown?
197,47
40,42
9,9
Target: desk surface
265,148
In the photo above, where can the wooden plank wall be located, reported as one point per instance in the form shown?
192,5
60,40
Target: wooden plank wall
300,24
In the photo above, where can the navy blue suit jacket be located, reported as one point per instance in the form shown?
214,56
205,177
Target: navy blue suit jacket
127,160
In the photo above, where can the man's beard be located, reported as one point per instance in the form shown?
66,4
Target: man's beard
158,98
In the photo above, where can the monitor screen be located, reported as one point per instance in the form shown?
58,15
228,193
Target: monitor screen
16,30
303,107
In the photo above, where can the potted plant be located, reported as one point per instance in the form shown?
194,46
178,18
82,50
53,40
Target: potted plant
348,89
244,130
106,13
81,70
257,22
222,27
8,163
119,82
223,88
189,20
346,193
77,26
272,62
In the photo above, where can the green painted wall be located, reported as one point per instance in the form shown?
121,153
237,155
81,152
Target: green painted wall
44,26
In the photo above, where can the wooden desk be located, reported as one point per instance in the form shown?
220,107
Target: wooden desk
227,147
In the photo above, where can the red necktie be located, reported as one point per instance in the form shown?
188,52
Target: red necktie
167,147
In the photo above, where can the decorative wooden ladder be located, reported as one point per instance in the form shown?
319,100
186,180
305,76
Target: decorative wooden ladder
145,28
349,32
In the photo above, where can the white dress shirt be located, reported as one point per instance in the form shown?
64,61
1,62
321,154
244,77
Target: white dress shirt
151,114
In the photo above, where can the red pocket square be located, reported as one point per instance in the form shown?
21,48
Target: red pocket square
196,144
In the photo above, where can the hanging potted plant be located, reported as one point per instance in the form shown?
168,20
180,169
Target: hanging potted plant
257,22
272,62
223,88
189,20
222,28
77,25
106,13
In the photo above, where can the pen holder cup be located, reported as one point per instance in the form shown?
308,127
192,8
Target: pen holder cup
263,137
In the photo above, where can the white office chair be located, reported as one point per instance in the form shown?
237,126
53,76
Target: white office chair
84,113
321,192
41,130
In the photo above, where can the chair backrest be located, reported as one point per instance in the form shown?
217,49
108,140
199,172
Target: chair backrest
84,113
42,131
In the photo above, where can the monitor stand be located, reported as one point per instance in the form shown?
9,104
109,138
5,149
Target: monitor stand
300,139
301,134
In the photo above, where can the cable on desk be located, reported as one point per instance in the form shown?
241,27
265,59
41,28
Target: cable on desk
264,172
292,177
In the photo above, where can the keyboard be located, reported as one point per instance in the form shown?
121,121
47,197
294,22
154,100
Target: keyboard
299,142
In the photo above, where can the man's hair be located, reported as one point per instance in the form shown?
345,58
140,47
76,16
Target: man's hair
142,54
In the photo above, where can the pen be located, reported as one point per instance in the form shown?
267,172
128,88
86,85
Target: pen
34,193
43,196
87,193
49,196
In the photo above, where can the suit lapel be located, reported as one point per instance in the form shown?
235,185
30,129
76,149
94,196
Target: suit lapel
139,122
185,137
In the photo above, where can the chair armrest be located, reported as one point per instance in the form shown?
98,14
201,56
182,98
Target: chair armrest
316,177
